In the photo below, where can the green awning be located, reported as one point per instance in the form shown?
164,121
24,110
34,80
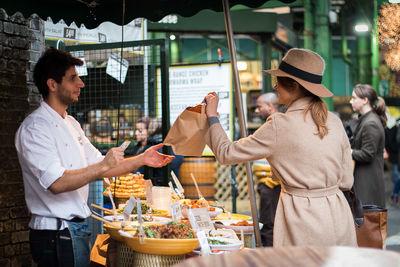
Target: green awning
245,21
93,12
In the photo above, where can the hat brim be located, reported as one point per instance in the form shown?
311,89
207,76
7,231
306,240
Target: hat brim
314,88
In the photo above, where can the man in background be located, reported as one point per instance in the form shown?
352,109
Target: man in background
268,188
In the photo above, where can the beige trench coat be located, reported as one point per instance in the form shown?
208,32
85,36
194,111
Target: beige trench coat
312,210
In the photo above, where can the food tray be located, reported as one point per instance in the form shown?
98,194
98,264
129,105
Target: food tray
158,246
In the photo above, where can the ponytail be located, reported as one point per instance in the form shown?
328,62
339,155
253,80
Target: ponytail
317,108
319,114
380,109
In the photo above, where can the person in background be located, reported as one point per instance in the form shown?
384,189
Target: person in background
268,188
58,162
309,153
392,143
368,145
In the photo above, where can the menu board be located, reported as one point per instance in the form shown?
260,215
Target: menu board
189,84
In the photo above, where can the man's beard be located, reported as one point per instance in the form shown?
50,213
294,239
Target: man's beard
66,99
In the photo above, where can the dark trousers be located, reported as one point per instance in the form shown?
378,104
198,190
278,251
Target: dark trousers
269,198
51,248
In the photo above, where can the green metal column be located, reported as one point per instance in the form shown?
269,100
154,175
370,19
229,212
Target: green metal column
308,32
266,57
364,58
375,47
323,43
174,47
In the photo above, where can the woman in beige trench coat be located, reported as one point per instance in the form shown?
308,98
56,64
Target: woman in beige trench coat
308,150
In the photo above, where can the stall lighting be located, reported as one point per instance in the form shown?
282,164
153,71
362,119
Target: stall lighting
361,28
242,65
172,37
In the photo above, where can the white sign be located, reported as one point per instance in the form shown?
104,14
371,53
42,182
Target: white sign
117,68
176,212
82,70
129,208
200,219
106,32
188,85
205,247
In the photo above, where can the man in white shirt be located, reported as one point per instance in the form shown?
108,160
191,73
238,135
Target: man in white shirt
268,188
58,162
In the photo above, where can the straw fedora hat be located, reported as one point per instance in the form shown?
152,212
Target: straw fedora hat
305,67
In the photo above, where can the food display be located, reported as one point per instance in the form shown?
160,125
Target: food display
171,230
169,239
236,225
129,185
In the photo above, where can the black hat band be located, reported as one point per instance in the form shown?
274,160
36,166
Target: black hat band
304,75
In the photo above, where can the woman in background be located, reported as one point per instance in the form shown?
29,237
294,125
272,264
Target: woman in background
368,145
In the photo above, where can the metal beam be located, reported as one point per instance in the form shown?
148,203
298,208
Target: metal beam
242,123
323,43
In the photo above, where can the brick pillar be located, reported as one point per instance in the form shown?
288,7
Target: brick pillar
21,41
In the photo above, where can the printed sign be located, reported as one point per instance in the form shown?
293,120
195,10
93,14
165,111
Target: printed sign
200,219
205,247
82,70
117,67
129,208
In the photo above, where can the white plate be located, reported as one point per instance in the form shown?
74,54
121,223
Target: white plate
227,225
120,217
232,244
216,212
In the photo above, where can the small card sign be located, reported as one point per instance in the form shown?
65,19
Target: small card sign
140,220
117,67
82,70
200,219
205,247
176,211
128,208
149,195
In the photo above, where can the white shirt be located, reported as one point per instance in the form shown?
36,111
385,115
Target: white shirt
47,145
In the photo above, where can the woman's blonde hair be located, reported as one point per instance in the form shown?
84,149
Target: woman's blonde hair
317,108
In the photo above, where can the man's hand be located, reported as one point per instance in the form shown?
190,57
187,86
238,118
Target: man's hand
113,157
153,158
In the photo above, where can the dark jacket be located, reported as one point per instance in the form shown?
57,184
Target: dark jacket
368,144
391,144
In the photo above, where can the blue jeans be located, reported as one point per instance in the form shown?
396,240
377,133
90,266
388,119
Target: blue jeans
80,236
395,179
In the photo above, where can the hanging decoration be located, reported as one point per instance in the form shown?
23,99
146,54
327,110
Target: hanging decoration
389,34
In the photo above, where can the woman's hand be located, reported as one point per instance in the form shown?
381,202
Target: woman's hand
153,158
212,104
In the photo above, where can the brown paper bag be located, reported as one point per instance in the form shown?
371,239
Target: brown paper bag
187,135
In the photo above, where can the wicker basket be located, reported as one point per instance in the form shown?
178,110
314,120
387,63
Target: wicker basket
128,257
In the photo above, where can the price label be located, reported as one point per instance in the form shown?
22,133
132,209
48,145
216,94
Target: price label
149,194
205,247
200,219
128,208
140,220
176,211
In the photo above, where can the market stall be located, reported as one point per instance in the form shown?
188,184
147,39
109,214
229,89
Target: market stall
157,226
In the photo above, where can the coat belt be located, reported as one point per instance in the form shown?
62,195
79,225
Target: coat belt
314,193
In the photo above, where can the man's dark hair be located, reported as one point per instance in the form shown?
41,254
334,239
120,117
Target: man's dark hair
53,64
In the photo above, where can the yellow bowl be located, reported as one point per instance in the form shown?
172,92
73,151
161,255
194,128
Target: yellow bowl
113,232
232,216
158,246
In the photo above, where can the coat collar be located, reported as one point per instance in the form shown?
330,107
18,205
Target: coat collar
299,104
